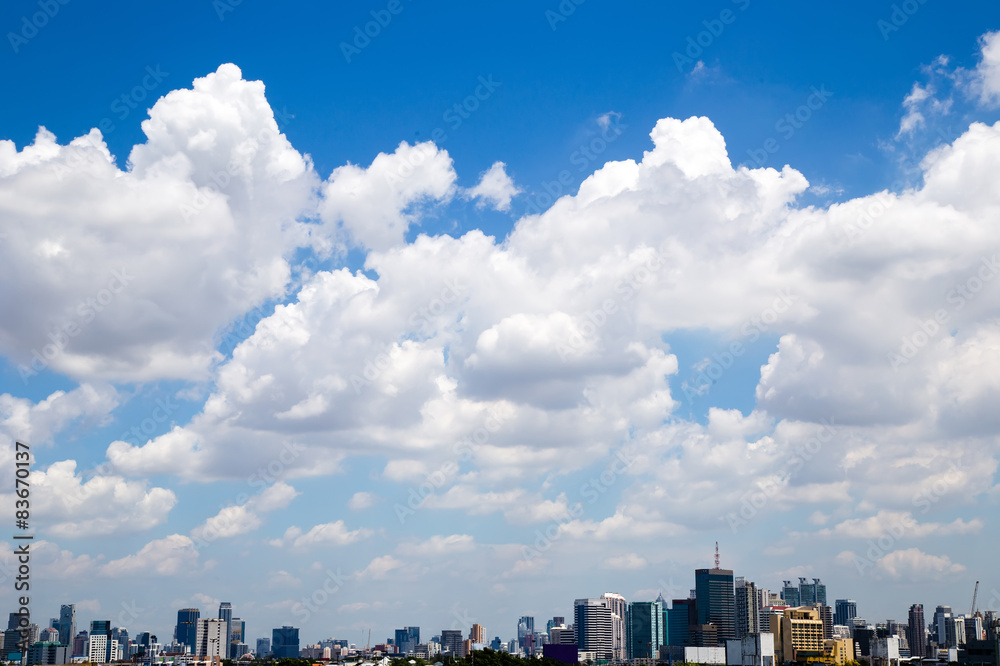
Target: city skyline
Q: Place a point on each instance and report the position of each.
(359, 317)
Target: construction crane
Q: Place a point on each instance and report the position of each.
(975, 593)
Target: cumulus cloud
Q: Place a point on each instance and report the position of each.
(495, 188)
(169, 556)
(335, 533)
(127, 275)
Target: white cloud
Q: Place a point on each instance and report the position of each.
(379, 568)
(363, 500)
(335, 533)
(495, 188)
(988, 69)
(127, 275)
(629, 561)
(169, 556)
(915, 565)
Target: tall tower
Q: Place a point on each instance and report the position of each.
(67, 623)
(619, 610)
(592, 626)
(916, 632)
(747, 608)
(226, 615)
(844, 610)
(715, 601)
(187, 627)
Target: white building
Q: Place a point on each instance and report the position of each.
(886, 651)
(97, 649)
(676, 654)
(755, 649)
(619, 611)
(210, 637)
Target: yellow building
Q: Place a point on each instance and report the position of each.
(838, 650)
(799, 636)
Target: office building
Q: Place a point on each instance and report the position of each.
(451, 640)
(715, 601)
(525, 626)
(263, 647)
(80, 644)
(619, 609)
(844, 610)
(681, 616)
(237, 637)
(644, 631)
(67, 623)
(187, 628)
(592, 627)
(48, 652)
(916, 631)
(811, 593)
(226, 615)
(790, 594)
(755, 649)
(747, 608)
(100, 643)
(800, 635)
(940, 620)
(406, 639)
(476, 634)
(210, 638)
(826, 616)
(285, 642)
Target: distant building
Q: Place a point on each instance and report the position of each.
(942, 614)
(619, 609)
(644, 632)
(715, 601)
(592, 627)
(67, 623)
(80, 644)
(187, 627)
(844, 610)
(406, 639)
(916, 632)
(755, 649)
(101, 648)
(799, 636)
(681, 616)
(210, 638)
(747, 608)
(263, 647)
(285, 642)
(451, 641)
(48, 652)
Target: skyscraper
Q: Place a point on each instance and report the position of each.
(681, 616)
(476, 634)
(747, 608)
(619, 609)
(644, 631)
(237, 637)
(67, 623)
(715, 601)
(187, 627)
(592, 626)
(942, 614)
(916, 632)
(844, 610)
(525, 626)
(226, 615)
(285, 642)
(210, 638)
(407, 639)
(451, 641)
(102, 648)
(263, 647)
(790, 594)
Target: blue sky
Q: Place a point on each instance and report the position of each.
(404, 296)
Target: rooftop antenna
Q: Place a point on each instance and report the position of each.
(716, 554)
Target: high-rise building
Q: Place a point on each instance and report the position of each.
(210, 638)
(790, 594)
(48, 653)
(747, 608)
(800, 635)
(681, 616)
(476, 634)
(263, 647)
(844, 610)
(826, 617)
(645, 634)
(715, 601)
(451, 640)
(974, 629)
(942, 614)
(80, 644)
(285, 642)
(619, 609)
(100, 632)
(525, 626)
(67, 623)
(226, 615)
(187, 627)
(237, 637)
(916, 632)
(592, 626)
